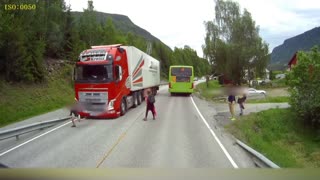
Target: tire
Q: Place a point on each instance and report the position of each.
(123, 107)
(135, 99)
(139, 98)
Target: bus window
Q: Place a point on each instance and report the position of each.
(181, 72)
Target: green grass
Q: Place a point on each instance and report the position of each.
(278, 135)
(210, 92)
(21, 101)
(277, 99)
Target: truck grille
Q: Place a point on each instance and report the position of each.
(93, 97)
(95, 107)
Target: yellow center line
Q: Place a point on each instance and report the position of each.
(117, 142)
(109, 152)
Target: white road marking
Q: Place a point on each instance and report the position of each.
(215, 137)
(33, 139)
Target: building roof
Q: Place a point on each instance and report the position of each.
(293, 59)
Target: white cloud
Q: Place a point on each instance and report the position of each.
(282, 19)
(180, 22)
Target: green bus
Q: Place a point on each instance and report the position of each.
(181, 79)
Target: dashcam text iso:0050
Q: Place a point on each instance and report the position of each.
(12, 7)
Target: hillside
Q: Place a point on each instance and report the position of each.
(282, 54)
(120, 22)
(22, 100)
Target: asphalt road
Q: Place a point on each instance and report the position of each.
(179, 137)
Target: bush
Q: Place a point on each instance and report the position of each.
(304, 87)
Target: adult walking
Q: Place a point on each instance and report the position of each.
(231, 102)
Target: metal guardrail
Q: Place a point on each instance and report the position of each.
(258, 155)
(16, 132)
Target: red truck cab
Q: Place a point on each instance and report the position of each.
(100, 76)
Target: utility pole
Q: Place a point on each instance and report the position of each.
(149, 48)
(90, 5)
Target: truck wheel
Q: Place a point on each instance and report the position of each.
(123, 107)
(139, 98)
(135, 99)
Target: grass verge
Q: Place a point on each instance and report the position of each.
(209, 92)
(276, 99)
(21, 101)
(278, 135)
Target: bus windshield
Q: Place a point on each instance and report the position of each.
(94, 73)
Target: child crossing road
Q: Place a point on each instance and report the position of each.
(150, 100)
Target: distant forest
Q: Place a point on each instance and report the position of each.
(28, 37)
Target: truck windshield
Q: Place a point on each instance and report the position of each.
(94, 73)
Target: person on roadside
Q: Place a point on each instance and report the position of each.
(150, 100)
(74, 112)
(145, 93)
(231, 103)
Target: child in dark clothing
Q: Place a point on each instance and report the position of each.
(150, 100)
(241, 101)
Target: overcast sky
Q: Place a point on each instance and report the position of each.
(180, 22)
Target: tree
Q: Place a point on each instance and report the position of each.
(22, 44)
(111, 35)
(271, 75)
(304, 87)
(16, 59)
(90, 31)
(55, 22)
(72, 44)
(232, 40)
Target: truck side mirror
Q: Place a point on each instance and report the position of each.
(118, 72)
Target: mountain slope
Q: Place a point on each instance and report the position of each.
(120, 22)
(282, 54)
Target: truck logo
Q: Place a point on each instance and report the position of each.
(153, 66)
(137, 73)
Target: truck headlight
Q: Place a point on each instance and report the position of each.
(111, 104)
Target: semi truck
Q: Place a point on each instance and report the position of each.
(110, 79)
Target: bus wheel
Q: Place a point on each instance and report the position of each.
(139, 97)
(123, 107)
